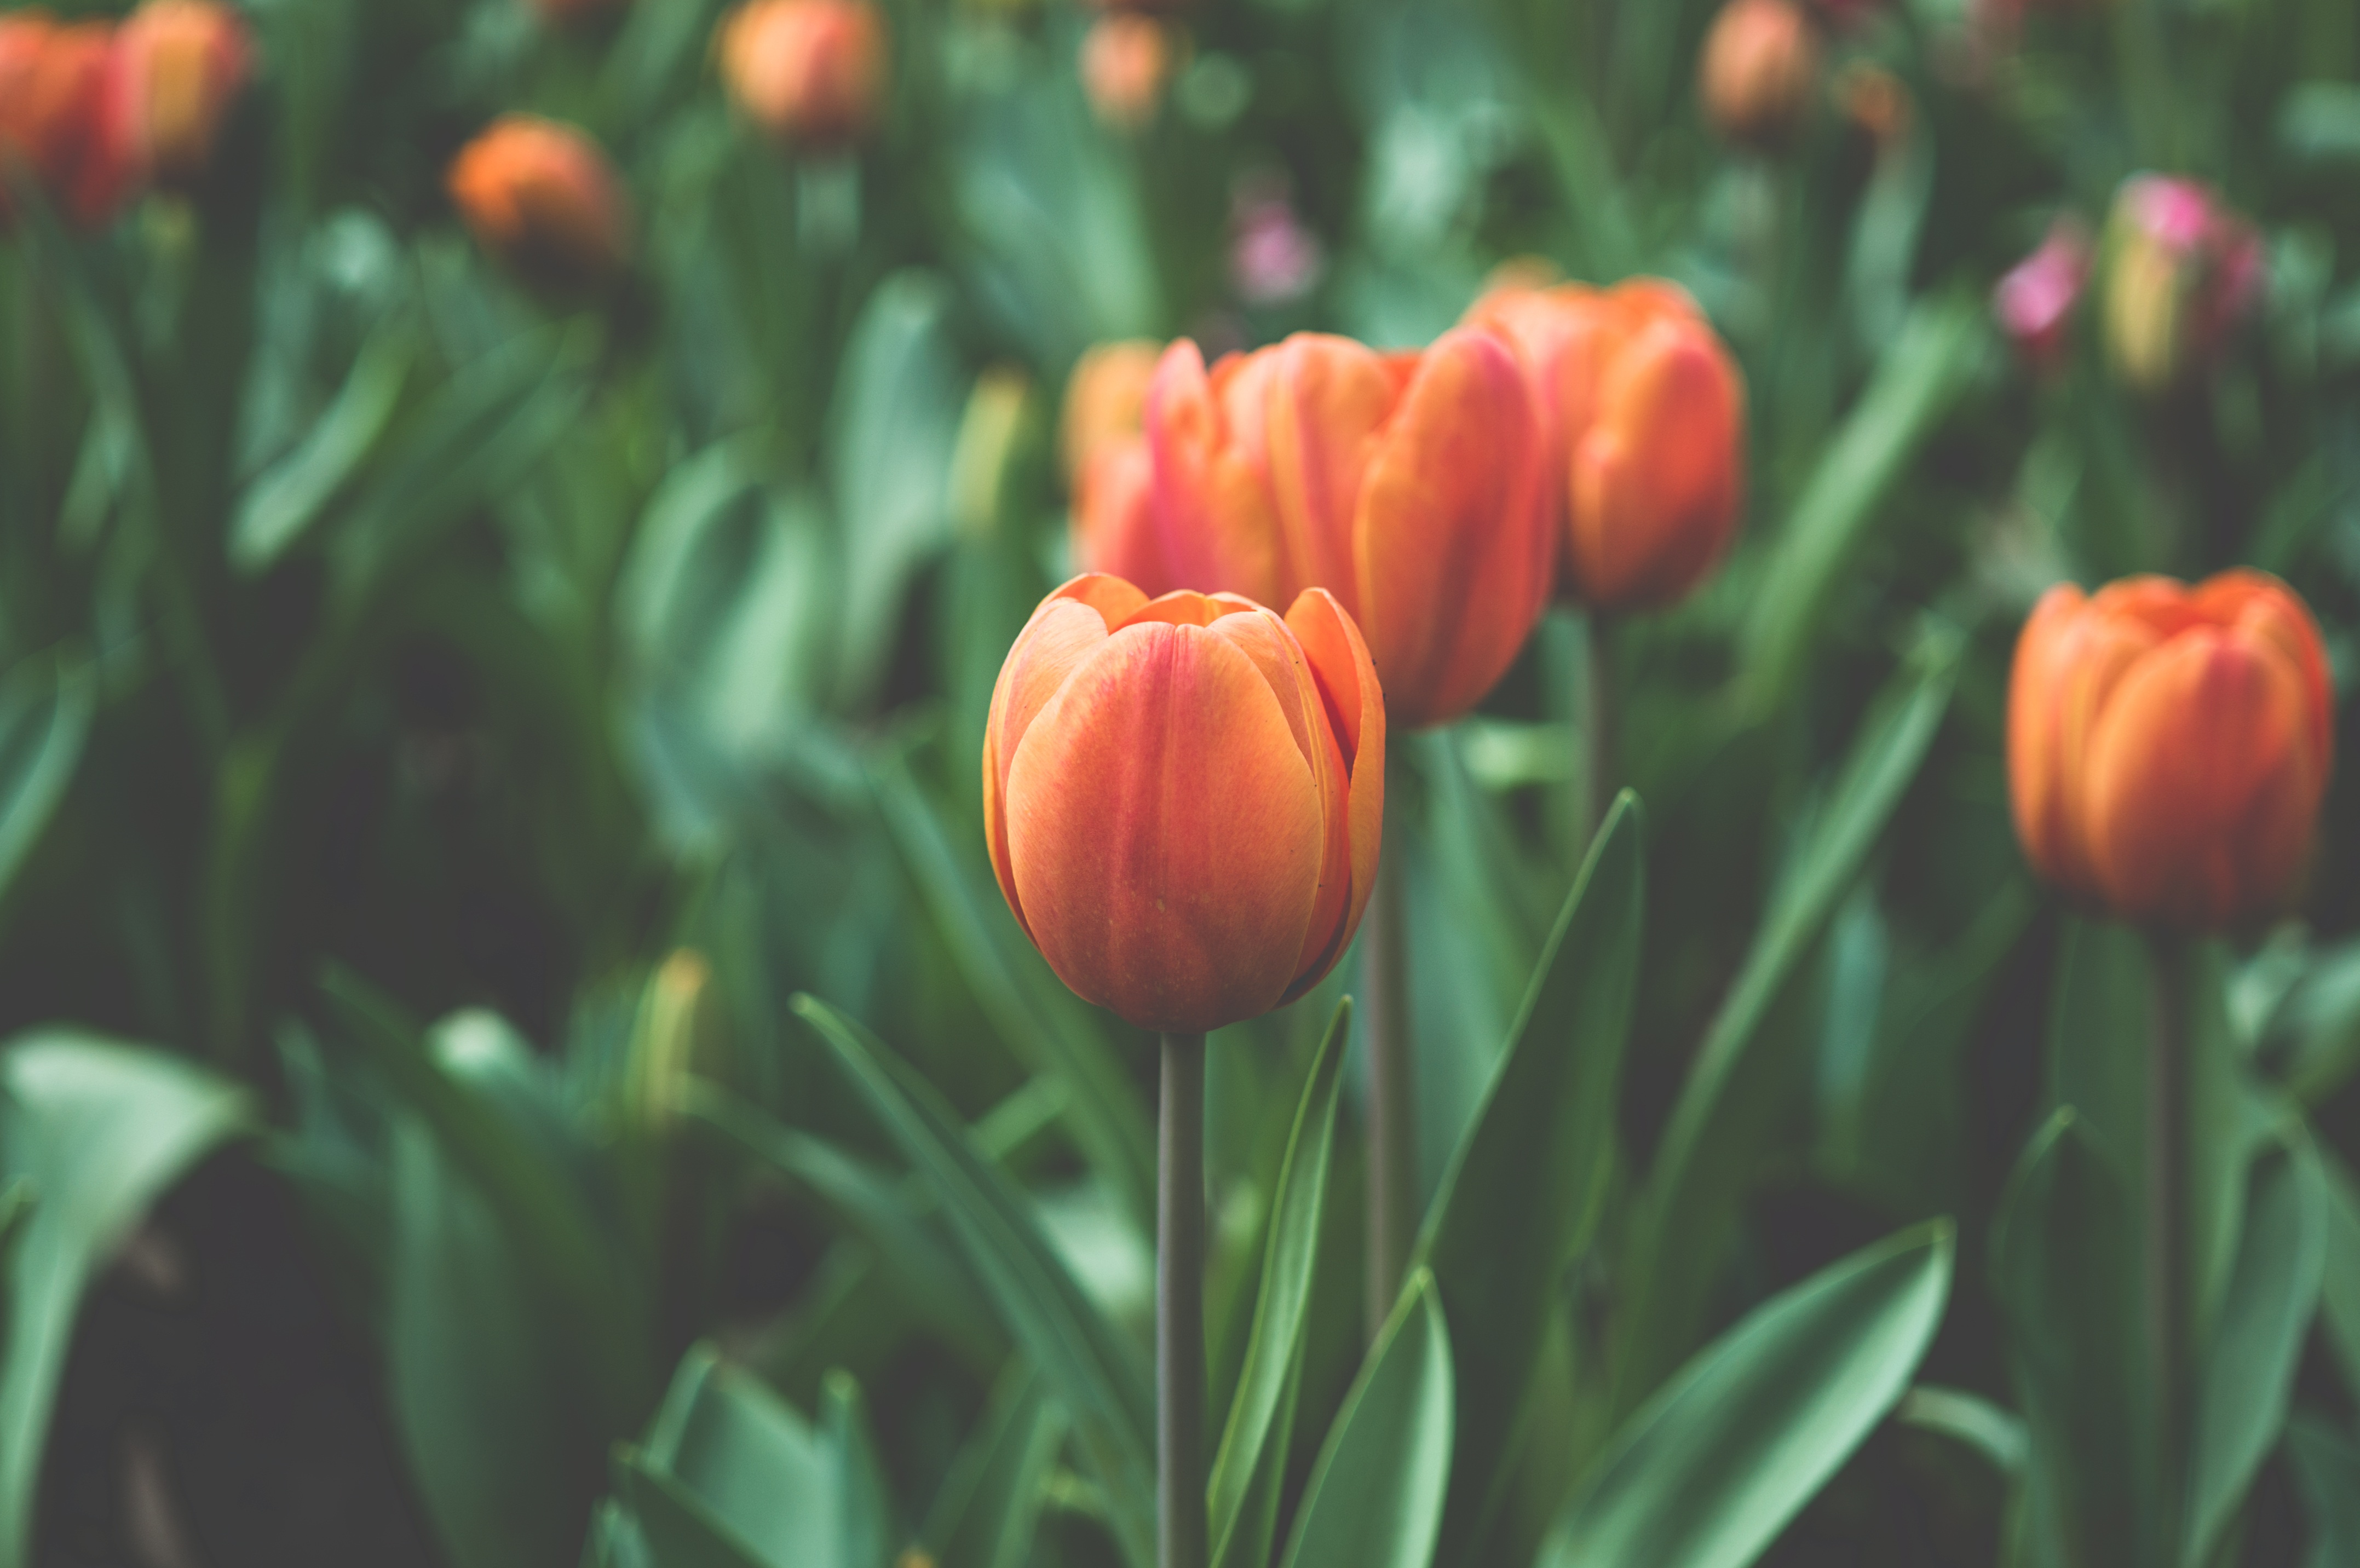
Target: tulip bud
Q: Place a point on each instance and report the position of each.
(2182, 272)
(1643, 415)
(1760, 68)
(1126, 61)
(2169, 747)
(1407, 484)
(542, 198)
(1106, 399)
(1184, 797)
(805, 71)
(178, 67)
(2035, 303)
(53, 116)
(680, 1032)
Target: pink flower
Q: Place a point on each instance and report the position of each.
(1273, 256)
(2035, 303)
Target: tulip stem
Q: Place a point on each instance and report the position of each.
(1393, 1134)
(2167, 1192)
(1181, 1524)
(1600, 762)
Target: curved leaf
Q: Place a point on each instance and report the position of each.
(45, 714)
(1376, 1493)
(1708, 1473)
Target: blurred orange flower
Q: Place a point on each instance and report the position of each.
(805, 71)
(542, 198)
(178, 67)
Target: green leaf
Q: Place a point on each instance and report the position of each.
(615, 1540)
(892, 431)
(287, 497)
(1927, 365)
(100, 1129)
(2248, 1373)
(481, 1407)
(2339, 1295)
(1712, 1469)
(1249, 1467)
(1375, 1497)
(937, 1282)
(1048, 1028)
(2064, 1268)
(545, 1217)
(863, 1511)
(2327, 1466)
(1100, 1375)
(680, 1531)
(1746, 1071)
(1525, 1187)
(45, 705)
(989, 1507)
(1971, 1420)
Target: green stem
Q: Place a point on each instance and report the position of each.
(1180, 1307)
(1393, 1132)
(1601, 761)
(2167, 1200)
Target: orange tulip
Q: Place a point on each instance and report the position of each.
(805, 71)
(1106, 399)
(2169, 747)
(1127, 60)
(1184, 797)
(1760, 68)
(1407, 484)
(541, 197)
(1105, 451)
(178, 65)
(53, 114)
(1642, 415)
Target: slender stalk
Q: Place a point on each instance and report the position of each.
(2167, 1199)
(1180, 1527)
(1392, 1131)
(1602, 760)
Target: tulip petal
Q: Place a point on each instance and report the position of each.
(1452, 547)
(2203, 787)
(1328, 400)
(1355, 711)
(1213, 507)
(1165, 832)
(1114, 516)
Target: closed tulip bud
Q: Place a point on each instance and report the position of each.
(1126, 61)
(54, 92)
(2035, 303)
(1642, 415)
(178, 67)
(2169, 747)
(811, 71)
(2182, 271)
(1759, 72)
(1407, 484)
(1184, 797)
(542, 198)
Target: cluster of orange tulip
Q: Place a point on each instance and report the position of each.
(1561, 438)
(544, 198)
(92, 113)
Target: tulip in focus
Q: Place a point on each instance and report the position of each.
(2182, 272)
(541, 197)
(1184, 797)
(2169, 747)
(1643, 418)
(1126, 63)
(1759, 71)
(1407, 484)
(811, 71)
(2035, 303)
(53, 116)
(178, 67)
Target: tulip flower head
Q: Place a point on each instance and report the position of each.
(2169, 747)
(178, 67)
(2035, 303)
(542, 198)
(807, 72)
(1643, 418)
(1407, 484)
(2183, 271)
(1759, 72)
(1184, 797)
(54, 121)
(1103, 442)
(1126, 61)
